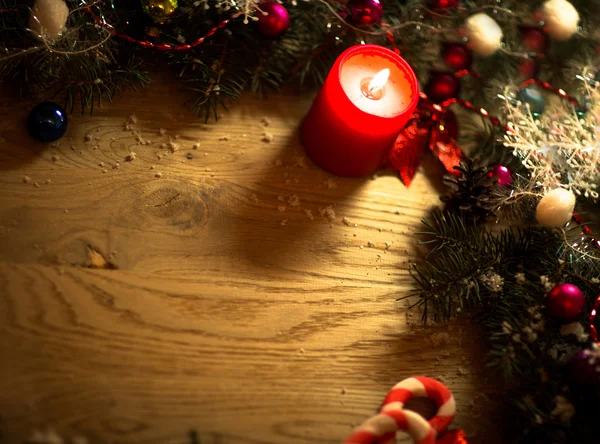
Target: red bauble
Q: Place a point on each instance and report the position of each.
(273, 19)
(456, 56)
(442, 86)
(566, 302)
(503, 174)
(365, 12)
(529, 68)
(534, 39)
(443, 4)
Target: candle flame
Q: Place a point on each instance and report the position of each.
(378, 81)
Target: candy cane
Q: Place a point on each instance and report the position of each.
(388, 423)
(421, 386)
(392, 418)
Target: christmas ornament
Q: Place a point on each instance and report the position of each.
(532, 96)
(503, 174)
(48, 18)
(442, 86)
(47, 122)
(379, 428)
(443, 4)
(365, 12)
(566, 302)
(534, 39)
(585, 367)
(528, 68)
(561, 18)
(583, 105)
(594, 327)
(456, 56)
(159, 10)
(485, 35)
(273, 19)
(555, 209)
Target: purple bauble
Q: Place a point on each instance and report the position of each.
(273, 19)
(585, 367)
(503, 174)
(566, 302)
(365, 12)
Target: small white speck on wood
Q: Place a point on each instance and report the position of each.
(223, 138)
(328, 213)
(158, 175)
(348, 223)
(26, 179)
(162, 131)
(265, 121)
(196, 146)
(267, 137)
(173, 146)
(309, 214)
(281, 208)
(294, 201)
(131, 157)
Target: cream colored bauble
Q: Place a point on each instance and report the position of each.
(48, 18)
(485, 35)
(556, 208)
(562, 19)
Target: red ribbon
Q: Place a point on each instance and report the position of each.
(432, 126)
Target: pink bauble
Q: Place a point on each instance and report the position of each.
(503, 174)
(365, 12)
(566, 302)
(273, 19)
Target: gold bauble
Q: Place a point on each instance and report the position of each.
(159, 10)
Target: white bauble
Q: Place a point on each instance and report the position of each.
(562, 19)
(48, 18)
(556, 208)
(485, 35)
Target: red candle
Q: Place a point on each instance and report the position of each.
(369, 95)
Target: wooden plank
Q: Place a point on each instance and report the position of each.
(132, 357)
(218, 309)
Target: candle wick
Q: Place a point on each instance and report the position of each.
(374, 89)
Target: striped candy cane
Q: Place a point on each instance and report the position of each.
(392, 418)
(386, 424)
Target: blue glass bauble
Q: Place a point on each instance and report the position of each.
(583, 105)
(534, 98)
(47, 122)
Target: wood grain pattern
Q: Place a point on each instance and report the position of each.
(134, 309)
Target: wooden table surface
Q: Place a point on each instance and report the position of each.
(228, 297)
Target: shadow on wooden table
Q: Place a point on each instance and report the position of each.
(13, 133)
(295, 197)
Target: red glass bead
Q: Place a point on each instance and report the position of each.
(456, 56)
(442, 86)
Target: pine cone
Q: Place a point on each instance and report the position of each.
(471, 191)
